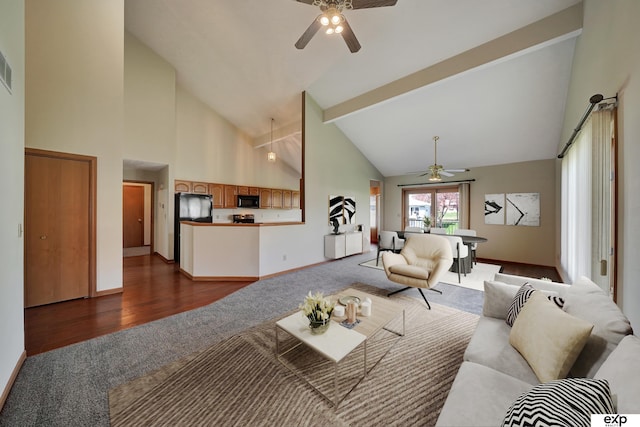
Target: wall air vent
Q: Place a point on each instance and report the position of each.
(5, 72)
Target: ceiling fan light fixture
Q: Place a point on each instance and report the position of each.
(330, 30)
(324, 20)
(339, 29)
(435, 177)
(336, 19)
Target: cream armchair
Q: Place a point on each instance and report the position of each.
(420, 264)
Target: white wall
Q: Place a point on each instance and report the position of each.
(12, 190)
(607, 61)
(74, 103)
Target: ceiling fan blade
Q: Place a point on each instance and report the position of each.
(308, 34)
(365, 4)
(309, 2)
(457, 170)
(350, 38)
(445, 173)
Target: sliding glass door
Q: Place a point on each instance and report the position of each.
(441, 205)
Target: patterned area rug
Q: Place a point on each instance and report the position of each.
(240, 382)
(474, 280)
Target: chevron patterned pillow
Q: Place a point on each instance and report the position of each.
(518, 302)
(521, 298)
(567, 402)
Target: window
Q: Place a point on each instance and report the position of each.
(442, 205)
(588, 240)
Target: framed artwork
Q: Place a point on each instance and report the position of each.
(523, 209)
(335, 210)
(494, 209)
(349, 209)
(342, 210)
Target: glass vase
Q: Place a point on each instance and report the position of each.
(319, 327)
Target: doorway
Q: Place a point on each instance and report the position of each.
(137, 218)
(60, 227)
(374, 211)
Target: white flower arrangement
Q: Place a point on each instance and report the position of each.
(317, 308)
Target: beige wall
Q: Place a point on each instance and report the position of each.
(531, 245)
(12, 190)
(607, 61)
(149, 104)
(74, 103)
(209, 148)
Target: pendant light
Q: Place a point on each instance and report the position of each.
(271, 155)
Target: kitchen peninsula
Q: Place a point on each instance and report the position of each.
(228, 251)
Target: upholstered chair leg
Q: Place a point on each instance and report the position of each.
(378, 256)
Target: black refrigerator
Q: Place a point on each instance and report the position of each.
(190, 207)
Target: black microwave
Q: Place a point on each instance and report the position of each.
(246, 201)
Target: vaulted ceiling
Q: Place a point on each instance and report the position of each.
(489, 77)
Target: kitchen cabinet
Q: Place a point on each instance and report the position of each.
(341, 245)
(200, 187)
(286, 199)
(225, 196)
(182, 186)
(230, 196)
(265, 198)
(295, 200)
(276, 199)
(217, 191)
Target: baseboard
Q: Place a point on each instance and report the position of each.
(12, 379)
(108, 292)
(166, 261)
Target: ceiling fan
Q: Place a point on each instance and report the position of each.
(334, 21)
(436, 171)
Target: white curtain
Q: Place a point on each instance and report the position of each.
(587, 201)
(602, 201)
(576, 207)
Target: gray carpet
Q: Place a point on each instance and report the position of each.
(406, 387)
(69, 386)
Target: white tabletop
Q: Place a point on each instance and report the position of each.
(334, 344)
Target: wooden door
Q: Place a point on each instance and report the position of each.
(59, 227)
(132, 216)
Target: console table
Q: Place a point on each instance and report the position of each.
(342, 245)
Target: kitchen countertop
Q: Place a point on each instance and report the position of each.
(231, 224)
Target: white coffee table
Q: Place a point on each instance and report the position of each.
(338, 341)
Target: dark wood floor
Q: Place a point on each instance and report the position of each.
(152, 290)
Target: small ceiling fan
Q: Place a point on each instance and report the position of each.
(334, 21)
(436, 171)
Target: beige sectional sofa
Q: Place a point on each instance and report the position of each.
(494, 374)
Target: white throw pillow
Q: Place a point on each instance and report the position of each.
(548, 338)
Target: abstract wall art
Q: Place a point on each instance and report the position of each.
(342, 210)
(523, 209)
(494, 209)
